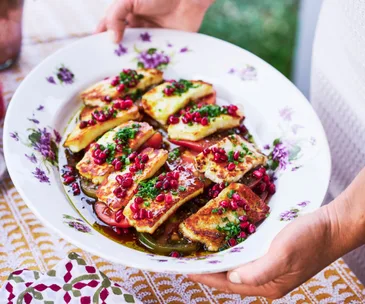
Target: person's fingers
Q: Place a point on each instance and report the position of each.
(116, 17)
(101, 27)
(260, 271)
(215, 280)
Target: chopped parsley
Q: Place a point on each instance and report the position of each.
(180, 87)
(146, 204)
(182, 188)
(230, 193)
(147, 189)
(246, 150)
(230, 229)
(210, 111)
(111, 153)
(174, 154)
(125, 134)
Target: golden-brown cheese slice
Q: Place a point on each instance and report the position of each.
(196, 131)
(79, 139)
(160, 107)
(189, 187)
(157, 158)
(94, 96)
(202, 226)
(250, 157)
(96, 173)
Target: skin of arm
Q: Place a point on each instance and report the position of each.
(186, 15)
(302, 249)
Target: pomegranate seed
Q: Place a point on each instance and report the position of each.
(114, 161)
(121, 88)
(126, 104)
(231, 167)
(220, 211)
(119, 148)
(132, 83)
(134, 207)
(166, 185)
(174, 184)
(206, 151)
(75, 189)
(217, 157)
(144, 158)
(161, 177)
(175, 254)
(118, 165)
(119, 216)
(242, 235)
(257, 174)
(99, 161)
(91, 122)
(266, 178)
(234, 205)
(116, 105)
(160, 197)
(188, 115)
(118, 192)
(223, 157)
(243, 218)
(115, 82)
(246, 207)
(136, 216)
(215, 187)
(251, 229)
(197, 119)
(139, 166)
(142, 214)
(232, 242)
(168, 199)
(133, 156)
(204, 121)
(149, 214)
(176, 175)
(173, 120)
(83, 124)
(215, 194)
(215, 150)
(138, 200)
(261, 187)
(102, 155)
(107, 98)
(224, 204)
(236, 196)
(132, 168)
(221, 186)
(262, 170)
(170, 174)
(169, 91)
(158, 185)
(119, 179)
(68, 180)
(184, 120)
(127, 183)
(240, 203)
(130, 175)
(244, 225)
(272, 188)
(236, 155)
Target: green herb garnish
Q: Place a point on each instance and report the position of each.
(174, 154)
(147, 189)
(125, 134)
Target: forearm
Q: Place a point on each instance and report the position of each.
(346, 217)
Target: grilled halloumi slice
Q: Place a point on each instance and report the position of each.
(189, 186)
(249, 157)
(160, 106)
(80, 138)
(195, 131)
(141, 132)
(105, 193)
(203, 226)
(94, 96)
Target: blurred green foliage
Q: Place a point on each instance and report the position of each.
(266, 28)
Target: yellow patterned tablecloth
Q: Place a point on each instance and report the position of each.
(26, 243)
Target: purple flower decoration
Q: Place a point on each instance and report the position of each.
(214, 262)
(237, 249)
(36, 121)
(267, 147)
(281, 155)
(296, 168)
(121, 50)
(64, 75)
(169, 45)
(295, 128)
(304, 204)
(248, 73)
(286, 113)
(313, 141)
(231, 71)
(153, 59)
(51, 80)
(41, 175)
(184, 50)
(58, 136)
(14, 135)
(32, 158)
(146, 37)
(289, 215)
(40, 108)
(42, 142)
(79, 226)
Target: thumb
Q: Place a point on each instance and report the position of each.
(116, 16)
(258, 272)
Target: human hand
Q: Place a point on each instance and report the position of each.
(186, 15)
(301, 250)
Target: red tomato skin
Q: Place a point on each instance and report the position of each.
(100, 207)
(155, 141)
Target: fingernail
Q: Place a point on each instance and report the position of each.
(234, 277)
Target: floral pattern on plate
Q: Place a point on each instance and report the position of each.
(152, 58)
(63, 75)
(294, 212)
(247, 73)
(76, 223)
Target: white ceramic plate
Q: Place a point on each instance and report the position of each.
(47, 99)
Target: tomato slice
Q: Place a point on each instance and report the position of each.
(207, 100)
(155, 141)
(107, 215)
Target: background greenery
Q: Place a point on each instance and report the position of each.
(267, 28)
